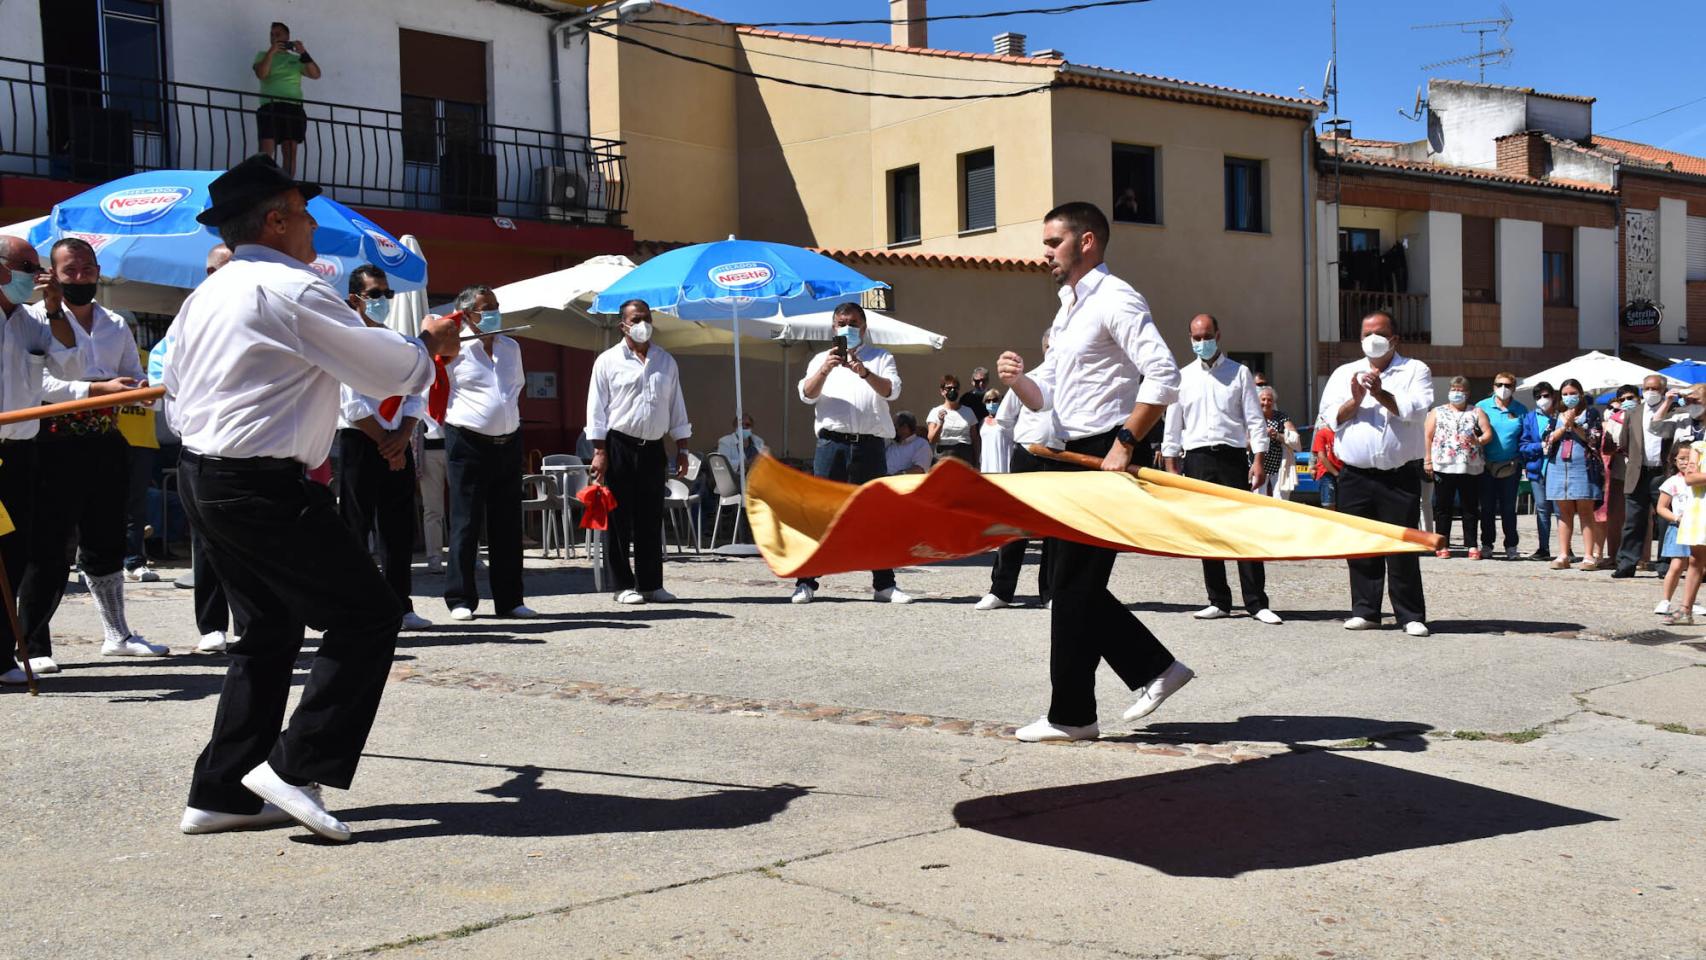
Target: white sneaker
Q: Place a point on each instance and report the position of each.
(1269, 617)
(132, 646)
(630, 597)
(1210, 612)
(991, 602)
(1360, 623)
(141, 575)
(892, 595)
(214, 642)
(43, 666)
(303, 804)
(1042, 731)
(185, 582)
(414, 621)
(522, 612)
(1159, 689)
(660, 595)
(1417, 628)
(199, 821)
(802, 594)
(1699, 611)
(1662, 608)
(461, 613)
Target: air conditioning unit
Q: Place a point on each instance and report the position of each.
(561, 194)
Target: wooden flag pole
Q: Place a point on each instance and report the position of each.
(120, 399)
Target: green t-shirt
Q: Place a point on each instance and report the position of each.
(284, 80)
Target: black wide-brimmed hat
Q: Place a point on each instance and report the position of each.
(240, 188)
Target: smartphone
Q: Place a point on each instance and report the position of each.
(841, 347)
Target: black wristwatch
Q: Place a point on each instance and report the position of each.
(1127, 438)
(57, 314)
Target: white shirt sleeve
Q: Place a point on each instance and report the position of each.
(1334, 396)
(598, 400)
(353, 405)
(373, 360)
(414, 405)
(679, 426)
(886, 368)
(1173, 431)
(1043, 377)
(1418, 398)
(1254, 423)
(811, 371)
(1131, 326)
(1007, 414)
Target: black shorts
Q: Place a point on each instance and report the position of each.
(281, 121)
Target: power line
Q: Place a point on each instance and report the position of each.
(1034, 11)
(635, 41)
(1652, 115)
(829, 63)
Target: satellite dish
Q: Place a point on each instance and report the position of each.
(1416, 110)
(1328, 82)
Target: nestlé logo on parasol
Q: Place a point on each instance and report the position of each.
(139, 205)
(390, 252)
(740, 276)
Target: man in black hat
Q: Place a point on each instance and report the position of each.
(261, 347)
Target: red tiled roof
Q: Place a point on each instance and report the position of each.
(924, 258)
(896, 48)
(1670, 159)
(1084, 70)
(1471, 173)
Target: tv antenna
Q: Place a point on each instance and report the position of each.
(1482, 57)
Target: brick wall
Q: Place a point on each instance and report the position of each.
(1480, 358)
(1398, 192)
(1523, 154)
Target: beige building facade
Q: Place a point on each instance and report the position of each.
(1210, 188)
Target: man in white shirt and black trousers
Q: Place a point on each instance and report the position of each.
(850, 395)
(261, 348)
(1377, 408)
(1108, 377)
(632, 402)
(1213, 429)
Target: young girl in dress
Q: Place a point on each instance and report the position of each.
(1691, 532)
(1674, 497)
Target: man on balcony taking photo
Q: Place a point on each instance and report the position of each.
(280, 120)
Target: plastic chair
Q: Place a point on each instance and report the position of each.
(539, 495)
(573, 479)
(678, 501)
(693, 465)
(727, 487)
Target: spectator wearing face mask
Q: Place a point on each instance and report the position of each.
(1536, 424)
(1575, 474)
(1625, 407)
(741, 443)
(1680, 418)
(1456, 437)
(1643, 450)
(952, 428)
(1504, 465)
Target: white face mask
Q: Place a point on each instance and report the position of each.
(1503, 393)
(1653, 398)
(1544, 403)
(640, 332)
(1694, 410)
(1375, 346)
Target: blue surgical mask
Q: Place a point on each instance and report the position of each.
(1571, 399)
(377, 309)
(1629, 406)
(1457, 396)
(1205, 349)
(490, 321)
(20, 287)
(854, 340)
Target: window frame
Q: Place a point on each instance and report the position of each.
(1558, 244)
(1259, 206)
(1154, 155)
(964, 167)
(1490, 292)
(894, 176)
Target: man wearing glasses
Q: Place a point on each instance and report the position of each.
(26, 345)
(1504, 465)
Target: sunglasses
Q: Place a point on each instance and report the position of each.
(1498, 385)
(379, 295)
(30, 266)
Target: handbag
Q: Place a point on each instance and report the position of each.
(1502, 470)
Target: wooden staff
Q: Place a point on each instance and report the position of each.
(1432, 541)
(120, 399)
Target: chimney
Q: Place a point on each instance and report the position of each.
(1050, 54)
(907, 27)
(1010, 44)
(1524, 154)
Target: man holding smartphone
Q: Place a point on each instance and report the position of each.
(850, 387)
(280, 120)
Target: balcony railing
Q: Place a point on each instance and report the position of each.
(1409, 313)
(92, 126)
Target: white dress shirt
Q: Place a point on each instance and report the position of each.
(261, 347)
(847, 404)
(108, 349)
(1374, 438)
(354, 406)
(1028, 426)
(914, 451)
(1217, 407)
(1105, 356)
(28, 354)
(485, 387)
(637, 396)
(1652, 438)
(733, 448)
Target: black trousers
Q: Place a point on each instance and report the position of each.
(1456, 495)
(1637, 509)
(287, 560)
(1229, 467)
(636, 477)
(484, 477)
(1088, 623)
(1391, 496)
(852, 463)
(17, 492)
(81, 483)
(372, 494)
(1004, 580)
(212, 610)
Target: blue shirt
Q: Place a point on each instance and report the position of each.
(1507, 429)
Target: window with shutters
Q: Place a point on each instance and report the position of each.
(443, 81)
(977, 190)
(904, 223)
(1557, 263)
(1696, 249)
(1478, 284)
(1136, 194)
(1244, 211)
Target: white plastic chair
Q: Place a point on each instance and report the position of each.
(728, 495)
(539, 494)
(573, 479)
(678, 502)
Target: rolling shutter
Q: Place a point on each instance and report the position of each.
(979, 190)
(1696, 249)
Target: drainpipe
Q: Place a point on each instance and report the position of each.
(1309, 322)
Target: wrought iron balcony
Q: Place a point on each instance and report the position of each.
(91, 126)
(1409, 313)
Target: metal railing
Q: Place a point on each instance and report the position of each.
(1409, 313)
(90, 126)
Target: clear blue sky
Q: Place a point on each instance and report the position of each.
(1638, 56)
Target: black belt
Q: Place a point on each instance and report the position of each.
(1219, 448)
(494, 440)
(433, 443)
(839, 437)
(12, 442)
(631, 439)
(244, 464)
(1377, 471)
